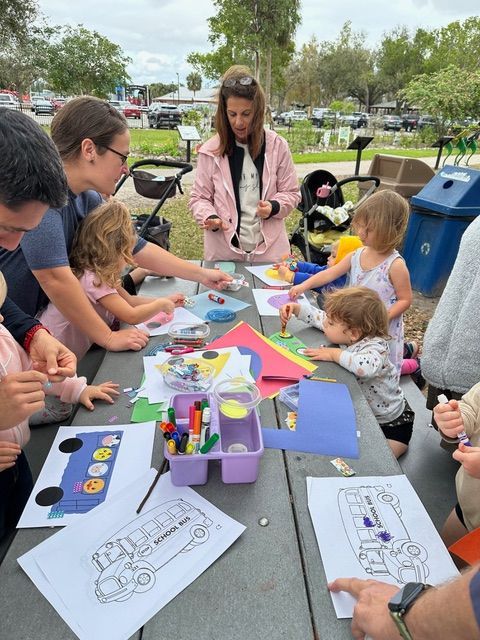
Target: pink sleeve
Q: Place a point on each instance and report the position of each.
(202, 195)
(93, 292)
(69, 390)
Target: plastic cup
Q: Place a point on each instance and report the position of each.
(236, 397)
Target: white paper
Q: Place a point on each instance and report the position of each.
(180, 315)
(156, 390)
(375, 528)
(261, 272)
(269, 301)
(176, 537)
(71, 483)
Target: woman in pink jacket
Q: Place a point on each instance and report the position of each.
(246, 183)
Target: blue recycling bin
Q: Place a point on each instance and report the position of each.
(441, 212)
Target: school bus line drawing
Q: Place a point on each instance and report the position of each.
(372, 519)
(128, 560)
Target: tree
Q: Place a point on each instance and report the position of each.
(85, 62)
(194, 82)
(449, 94)
(157, 89)
(17, 16)
(251, 32)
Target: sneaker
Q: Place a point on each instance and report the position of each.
(410, 350)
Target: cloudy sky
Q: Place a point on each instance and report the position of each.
(159, 34)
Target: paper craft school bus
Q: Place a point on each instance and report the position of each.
(127, 562)
(372, 521)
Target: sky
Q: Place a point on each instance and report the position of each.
(159, 34)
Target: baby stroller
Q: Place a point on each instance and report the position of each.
(153, 227)
(325, 216)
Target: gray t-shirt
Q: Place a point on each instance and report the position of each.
(46, 247)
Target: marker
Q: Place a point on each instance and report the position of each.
(171, 416)
(206, 416)
(189, 449)
(167, 436)
(214, 298)
(210, 443)
(183, 444)
(197, 427)
(172, 447)
(462, 436)
(191, 421)
(176, 438)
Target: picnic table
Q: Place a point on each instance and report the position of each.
(270, 582)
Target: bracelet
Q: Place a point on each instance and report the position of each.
(27, 341)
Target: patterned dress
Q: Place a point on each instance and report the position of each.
(378, 280)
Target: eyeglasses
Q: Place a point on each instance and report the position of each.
(120, 155)
(245, 81)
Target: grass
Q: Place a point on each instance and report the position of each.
(346, 155)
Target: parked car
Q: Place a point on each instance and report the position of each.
(392, 123)
(43, 107)
(8, 101)
(283, 118)
(426, 121)
(355, 120)
(409, 121)
(131, 110)
(58, 103)
(321, 117)
(116, 104)
(298, 115)
(164, 116)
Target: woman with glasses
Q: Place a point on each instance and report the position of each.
(93, 140)
(246, 184)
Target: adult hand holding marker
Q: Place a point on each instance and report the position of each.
(449, 419)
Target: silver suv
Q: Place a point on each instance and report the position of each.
(165, 116)
(9, 101)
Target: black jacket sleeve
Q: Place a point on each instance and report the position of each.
(16, 321)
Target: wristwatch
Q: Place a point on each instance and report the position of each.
(401, 602)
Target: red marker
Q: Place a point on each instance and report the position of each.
(215, 298)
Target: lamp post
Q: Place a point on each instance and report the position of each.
(178, 88)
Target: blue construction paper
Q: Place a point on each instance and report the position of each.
(203, 305)
(325, 422)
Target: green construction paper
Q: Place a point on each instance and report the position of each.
(292, 344)
(143, 412)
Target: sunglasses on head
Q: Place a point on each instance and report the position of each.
(245, 81)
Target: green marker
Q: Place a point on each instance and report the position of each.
(171, 416)
(210, 443)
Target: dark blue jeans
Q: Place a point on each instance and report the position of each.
(16, 485)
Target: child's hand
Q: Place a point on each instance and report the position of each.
(167, 305)
(285, 273)
(326, 354)
(178, 299)
(448, 418)
(469, 458)
(9, 451)
(103, 391)
(295, 291)
(288, 310)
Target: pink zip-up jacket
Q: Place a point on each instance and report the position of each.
(213, 194)
(14, 359)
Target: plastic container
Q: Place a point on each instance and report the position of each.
(236, 283)
(186, 374)
(239, 448)
(236, 397)
(183, 331)
(289, 396)
(440, 214)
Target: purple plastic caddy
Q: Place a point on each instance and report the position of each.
(236, 467)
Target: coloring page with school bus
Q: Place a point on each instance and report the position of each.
(124, 567)
(84, 466)
(375, 528)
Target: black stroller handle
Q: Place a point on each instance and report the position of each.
(184, 166)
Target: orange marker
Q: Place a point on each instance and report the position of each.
(197, 428)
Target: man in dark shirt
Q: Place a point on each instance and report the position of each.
(31, 181)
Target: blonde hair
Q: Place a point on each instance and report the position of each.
(360, 309)
(386, 213)
(252, 92)
(3, 289)
(105, 236)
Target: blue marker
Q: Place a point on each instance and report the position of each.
(462, 436)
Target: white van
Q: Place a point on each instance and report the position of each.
(9, 101)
